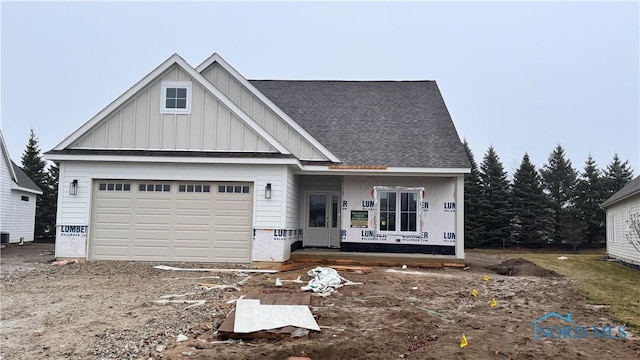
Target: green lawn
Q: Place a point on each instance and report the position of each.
(604, 282)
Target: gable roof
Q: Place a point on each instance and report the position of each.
(632, 188)
(196, 76)
(20, 179)
(215, 58)
(24, 181)
(390, 123)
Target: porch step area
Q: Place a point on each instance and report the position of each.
(337, 257)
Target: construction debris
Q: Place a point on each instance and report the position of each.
(353, 269)
(251, 316)
(192, 302)
(226, 330)
(171, 268)
(64, 262)
(325, 281)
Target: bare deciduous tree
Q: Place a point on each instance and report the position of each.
(633, 235)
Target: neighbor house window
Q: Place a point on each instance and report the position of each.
(398, 211)
(176, 97)
(24, 198)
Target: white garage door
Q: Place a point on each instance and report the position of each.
(171, 221)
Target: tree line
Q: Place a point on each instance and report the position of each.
(552, 205)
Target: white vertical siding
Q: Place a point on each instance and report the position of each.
(618, 245)
(139, 125)
(293, 201)
(261, 113)
(75, 209)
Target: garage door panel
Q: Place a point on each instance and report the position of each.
(193, 219)
(232, 204)
(175, 225)
(113, 251)
(193, 237)
(113, 233)
(152, 219)
(192, 204)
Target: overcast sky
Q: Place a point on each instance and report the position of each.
(520, 76)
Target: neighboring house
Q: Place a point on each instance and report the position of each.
(620, 206)
(17, 199)
(201, 164)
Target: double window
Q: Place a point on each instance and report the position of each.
(176, 97)
(398, 211)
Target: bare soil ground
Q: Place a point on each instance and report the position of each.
(106, 310)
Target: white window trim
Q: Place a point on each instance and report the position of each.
(418, 190)
(163, 96)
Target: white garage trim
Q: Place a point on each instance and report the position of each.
(194, 221)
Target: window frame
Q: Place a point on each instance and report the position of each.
(398, 210)
(175, 85)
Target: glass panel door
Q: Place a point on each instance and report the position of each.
(317, 211)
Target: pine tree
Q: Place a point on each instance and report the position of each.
(529, 206)
(494, 215)
(559, 180)
(34, 166)
(617, 175)
(591, 192)
(471, 200)
(51, 200)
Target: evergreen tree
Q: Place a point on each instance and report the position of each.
(471, 200)
(559, 180)
(494, 215)
(591, 192)
(529, 206)
(51, 199)
(617, 175)
(34, 166)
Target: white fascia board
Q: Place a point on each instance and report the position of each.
(24, 189)
(169, 159)
(118, 102)
(233, 107)
(217, 58)
(390, 171)
(7, 158)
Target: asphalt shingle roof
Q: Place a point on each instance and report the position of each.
(392, 123)
(23, 179)
(633, 187)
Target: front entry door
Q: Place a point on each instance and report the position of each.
(322, 219)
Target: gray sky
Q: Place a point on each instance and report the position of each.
(521, 76)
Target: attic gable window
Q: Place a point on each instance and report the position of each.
(176, 97)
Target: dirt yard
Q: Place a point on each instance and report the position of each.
(106, 310)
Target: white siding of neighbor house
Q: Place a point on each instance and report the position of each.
(17, 217)
(75, 209)
(138, 124)
(261, 113)
(618, 229)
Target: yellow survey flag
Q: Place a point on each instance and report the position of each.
(486, 277)
(463, 342)
(474, 292)
(494, 302)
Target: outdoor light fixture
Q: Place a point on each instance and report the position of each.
(73, 187)
(267, 191)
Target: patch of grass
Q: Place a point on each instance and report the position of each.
(603, 282)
